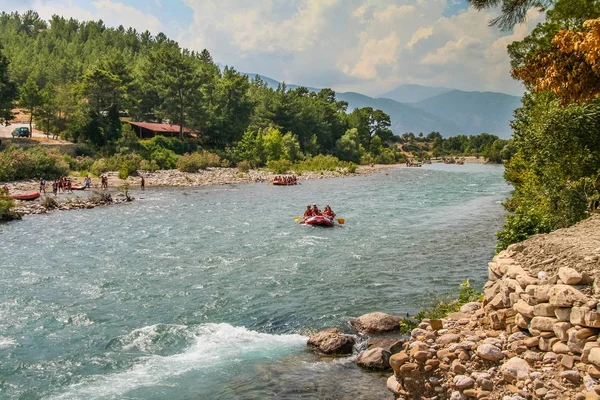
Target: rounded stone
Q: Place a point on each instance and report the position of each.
(489, 352)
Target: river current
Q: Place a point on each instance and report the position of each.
(210, 292)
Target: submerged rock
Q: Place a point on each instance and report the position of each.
(374, 358)
(332, 341)
(391, 344)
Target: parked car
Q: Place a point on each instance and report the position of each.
(21, 132)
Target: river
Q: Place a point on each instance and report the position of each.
(209, 292)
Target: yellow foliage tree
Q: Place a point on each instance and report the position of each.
(571, 69)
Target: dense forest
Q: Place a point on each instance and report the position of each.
(77, 78)
(556, 166)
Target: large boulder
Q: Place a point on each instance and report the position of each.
(565, 296)
(585, 317)
(377, 322)
(374, 358)
(332, 341)
(569, 276)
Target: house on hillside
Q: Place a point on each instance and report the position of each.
(147, 130)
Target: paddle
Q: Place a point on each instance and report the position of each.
(296, 219)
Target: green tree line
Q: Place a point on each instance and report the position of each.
(491, 147)
(76, 79)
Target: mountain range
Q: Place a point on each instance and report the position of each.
(416, 108)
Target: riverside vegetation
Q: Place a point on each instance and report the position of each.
(555, 169)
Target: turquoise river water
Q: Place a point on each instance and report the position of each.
(209, 293)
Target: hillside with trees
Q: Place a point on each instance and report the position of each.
(76, 78)
(79, 80)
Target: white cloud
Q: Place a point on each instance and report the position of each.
(393, 12)
(256, 26)
(420, 34)
(115, 13)
(375, 53)
(112, 13)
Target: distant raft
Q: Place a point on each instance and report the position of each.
(283, 183)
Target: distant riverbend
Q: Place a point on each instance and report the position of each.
(209, 292)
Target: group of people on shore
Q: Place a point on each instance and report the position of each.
(314, 211)
(65, 184)
(62, 184)
(290, 180)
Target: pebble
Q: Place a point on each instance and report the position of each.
(462, 382)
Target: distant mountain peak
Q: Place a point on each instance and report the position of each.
(411, 93)
(416, 108)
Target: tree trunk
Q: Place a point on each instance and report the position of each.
(31, 123)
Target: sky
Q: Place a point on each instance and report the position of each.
(366, 46)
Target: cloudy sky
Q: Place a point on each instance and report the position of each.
(368, 46)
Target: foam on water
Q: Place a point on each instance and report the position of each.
(6, 342)
(215, 346)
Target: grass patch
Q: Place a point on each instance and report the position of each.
(441, 307)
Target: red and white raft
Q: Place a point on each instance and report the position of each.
(319, 220)
(26, 196)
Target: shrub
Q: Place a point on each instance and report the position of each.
(177, 146)
(7, 207)
(243, 166)
(115, 163)
(321, 163)
(99, 166)
(279, 166)
(79, 163)
(164, 158)
(151, 166)
(124, 170)
(197, 161)
(441, 307)
(520, 225)
(36, 162)
(83, 150)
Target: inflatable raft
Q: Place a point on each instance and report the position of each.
(26, 196)
(319, 220)
(282, 183)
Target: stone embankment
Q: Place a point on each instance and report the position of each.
(535, 335)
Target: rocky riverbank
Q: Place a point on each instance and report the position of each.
(164, 178)
(535, 334)
(209, 176)
(47, 204)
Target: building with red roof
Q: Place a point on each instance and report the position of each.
(147, 130)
